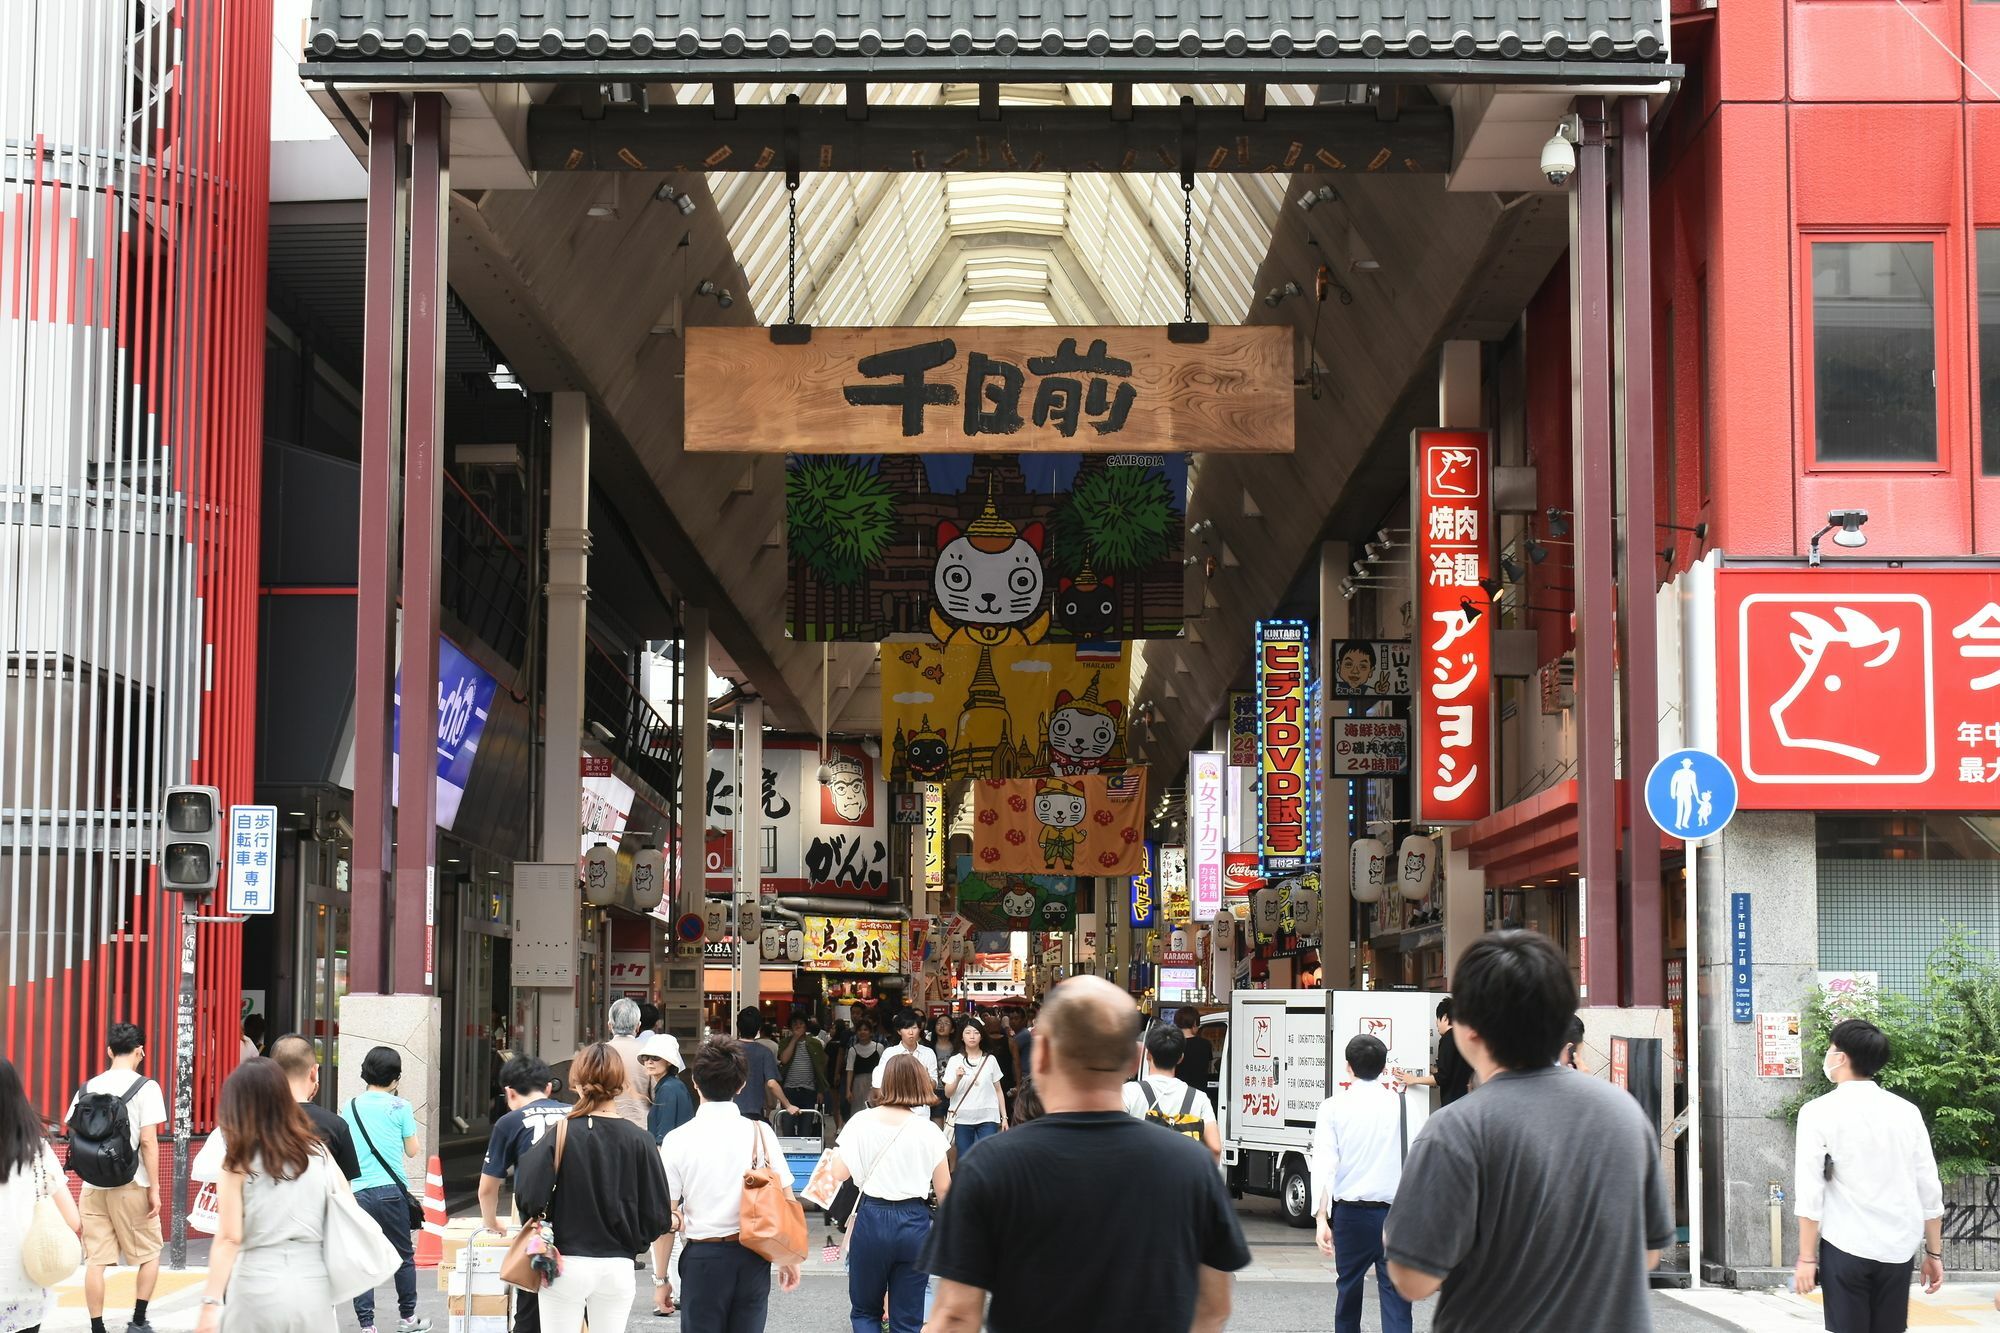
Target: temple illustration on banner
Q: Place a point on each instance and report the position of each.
(1034, 732)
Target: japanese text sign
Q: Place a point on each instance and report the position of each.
(1370, 668)
(253, 859)
(1284, 805)
(1175, 910)
(852, 944)
(1860, 689)
(1242, 729)
(934, 836)
(918, 390)
(1206, 838)
(1739, 957)
(1369, 747)
(1453, 546)
(1145, 896)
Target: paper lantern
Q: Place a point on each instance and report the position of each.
(1416, 867)
(1306, 911)
(1368, 865)
(749, 917)
(600, 875)
(771, 942)
(1264, 912)
(649, 878)
(715, 920)
(1222, 957)
(795, 945)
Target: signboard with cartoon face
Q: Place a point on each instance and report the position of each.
(1371, 668)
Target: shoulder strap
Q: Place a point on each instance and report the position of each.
(861, 1182)
(972, 1073)
(133, 1091)
(1152, 1101)
(362, 1125)
(1187, 1104)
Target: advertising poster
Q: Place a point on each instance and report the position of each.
(1206, 839)
(1284, 805)
(1175, 907)
(1371, 668)
(852, 944)
(1076, 825)
(465, 697)
(1005, 900)
(1242, 728)
(1453, 551)
(933, 836)
(1144, 901)
(974, 710)
(1044, 548)
(1369, 747)
(809, 838)
(1780, 1052)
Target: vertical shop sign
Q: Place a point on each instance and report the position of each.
(1739, 957)
(1454, 635)
(1174, 907)
(1144, 902)
(1206, 837)
(934, 836)
(1242, 729)
(1284, 808)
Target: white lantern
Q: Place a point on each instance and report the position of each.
(795, 945)
(715, 920)
(1222, 957)
(1264, 912)
(1368, 866)
(600, 875)
(1416, 867)
(649, 878)
(749, 917)
(771, 942)
(1306, 910)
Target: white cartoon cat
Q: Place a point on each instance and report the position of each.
(988, 581)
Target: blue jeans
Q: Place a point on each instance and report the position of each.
(385, 1204)
(724, 1288)
(882, 1260)
(1357, 1247)
(964, 1136)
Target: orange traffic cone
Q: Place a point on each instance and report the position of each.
(430, 1241)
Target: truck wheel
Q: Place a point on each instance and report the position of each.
(1295, 1193)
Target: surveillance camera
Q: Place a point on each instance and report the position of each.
(1558, 156)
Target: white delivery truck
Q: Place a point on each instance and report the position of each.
(1283, 1056)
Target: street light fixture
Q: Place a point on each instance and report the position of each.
(1845, 525)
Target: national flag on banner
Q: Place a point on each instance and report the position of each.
(1126, 786)
(1100, 651)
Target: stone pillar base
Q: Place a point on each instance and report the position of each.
(413, 1026)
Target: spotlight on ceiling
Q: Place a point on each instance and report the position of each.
(1845, 525)
(1312, 199)
(1511, 569)
(1558, 521)
(667, 194)
(1472, 609)
(721, 294)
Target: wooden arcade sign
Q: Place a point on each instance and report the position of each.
(979, 390)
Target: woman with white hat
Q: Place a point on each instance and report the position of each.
(672, 1108)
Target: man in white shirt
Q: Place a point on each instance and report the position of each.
(121, 1224)
(1357, 1161)
(1158, 1096)
(1866, 1190)
(909, 1042)
(723, 1285)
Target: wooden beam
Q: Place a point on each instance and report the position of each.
(915, 390)
(958, 138)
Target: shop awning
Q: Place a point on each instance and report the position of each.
(1532, 839)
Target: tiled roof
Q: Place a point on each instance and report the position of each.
(1582, 31)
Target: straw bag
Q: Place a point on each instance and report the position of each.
(50, 1251)
(773, 1224)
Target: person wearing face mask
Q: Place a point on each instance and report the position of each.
(1867, 1190)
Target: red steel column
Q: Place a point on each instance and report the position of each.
(423, 501)
(375, 598)
(1638, 632)
(1596, 593)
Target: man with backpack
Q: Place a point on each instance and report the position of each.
(114, 1146)
(1160, 1098)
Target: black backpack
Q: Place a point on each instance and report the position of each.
(101, 1151)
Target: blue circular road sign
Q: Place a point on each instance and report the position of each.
(690, 928)
(1691, 794)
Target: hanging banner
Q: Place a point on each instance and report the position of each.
(852, 944)
(1143, 902)
(1003, 900)
(977, 711)
(831, 840)
(1242, 729)
(933, 836)
(1085, 825)
(1453, 781)
(996, 548)
(1285, 835)
(930, 390)
(1205, 833)
(1175, 907)
(1371, 669)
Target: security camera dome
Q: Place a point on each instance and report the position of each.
(1558, 158)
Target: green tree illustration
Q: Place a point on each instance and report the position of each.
(1123, 517)
(840, 517)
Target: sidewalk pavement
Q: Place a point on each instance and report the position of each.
(1958, 1305)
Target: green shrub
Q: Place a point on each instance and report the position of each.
(1944, 1050)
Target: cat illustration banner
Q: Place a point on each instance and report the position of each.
(995, 548)
(1061, 825)
(990, 390)
(1009, 900)
(966, 710)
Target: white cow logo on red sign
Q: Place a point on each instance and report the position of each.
(1453, 471)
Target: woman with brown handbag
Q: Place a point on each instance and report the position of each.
(597, 1185)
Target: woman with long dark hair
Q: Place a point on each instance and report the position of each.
(267, 1267)
(29, 1173)
(606, 1199)
(975, 1107)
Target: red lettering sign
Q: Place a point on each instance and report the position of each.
(1452, 779)
(1862, 689)
(1284, 817)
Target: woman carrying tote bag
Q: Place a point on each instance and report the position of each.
(268, 1271)
(896, 1158)
(32, 1191)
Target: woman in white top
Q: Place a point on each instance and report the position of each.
(29, 1172)
(897, 1160)
(972, 1089)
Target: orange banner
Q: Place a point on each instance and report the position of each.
(1085, 825)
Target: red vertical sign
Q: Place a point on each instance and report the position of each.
(1452, 776)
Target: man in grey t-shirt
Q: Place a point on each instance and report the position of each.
(1538, 1202)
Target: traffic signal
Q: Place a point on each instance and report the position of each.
(191, 840)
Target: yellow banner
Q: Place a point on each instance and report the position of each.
(853, 944)
(934, 835)
(969, 710)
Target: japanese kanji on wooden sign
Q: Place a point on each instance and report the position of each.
(975, 390)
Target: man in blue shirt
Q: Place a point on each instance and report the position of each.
(761, 1089)
(529, 1086)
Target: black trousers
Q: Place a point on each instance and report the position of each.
(527, 1311)
(724, 1288)
(1863, 1295)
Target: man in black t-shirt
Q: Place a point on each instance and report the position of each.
(296, 1056)
(532, 1111)
(1451, 1075)
(1098, 1172)
(1197, 1065)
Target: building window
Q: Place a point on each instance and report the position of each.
(1874, 358)
(1989, 352)
(1892, 887)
